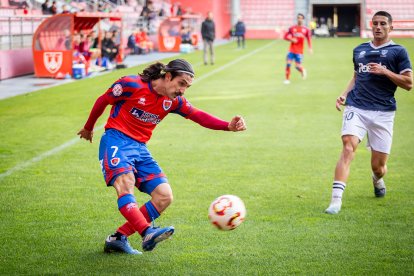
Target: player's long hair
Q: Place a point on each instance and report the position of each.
(176, 67)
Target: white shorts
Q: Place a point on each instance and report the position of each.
(378, 125)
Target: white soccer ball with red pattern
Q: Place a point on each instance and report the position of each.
(227, 212)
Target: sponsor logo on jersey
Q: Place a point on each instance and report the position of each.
(115, 161)
(166, 104)
(141, 101)
(145, 116)
(52, 61)
(364, 68)
(361, 54)
(117, 90)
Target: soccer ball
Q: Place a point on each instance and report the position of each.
(227, 212)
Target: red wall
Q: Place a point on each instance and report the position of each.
(220, 8)
(12, 67)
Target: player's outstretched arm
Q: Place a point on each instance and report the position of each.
(98, 108)
(209, 121)
(237, 124)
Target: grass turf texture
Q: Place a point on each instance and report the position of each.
(56, 213)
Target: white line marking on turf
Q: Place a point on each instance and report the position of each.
(221, 68)
(73, 141)
(42, 156)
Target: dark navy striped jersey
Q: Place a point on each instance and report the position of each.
(376, 92)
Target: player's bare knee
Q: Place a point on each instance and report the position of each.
(124, 184)
(162, 201)
(166, 200)
(379, 170)
(348, 152)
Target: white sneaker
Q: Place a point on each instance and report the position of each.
(334, 208)
(304, 74)
(286, 81)
(379, 187)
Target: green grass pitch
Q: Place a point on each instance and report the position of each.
(56, 210)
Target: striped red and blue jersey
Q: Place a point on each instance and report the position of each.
(300, 33)
(137, 109)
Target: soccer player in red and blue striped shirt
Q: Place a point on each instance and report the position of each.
(139, 103)
(296, 36)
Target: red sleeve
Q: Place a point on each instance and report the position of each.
(288, 35)
(98, 108)
(208, 121)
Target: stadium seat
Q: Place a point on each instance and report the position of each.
(264, 16)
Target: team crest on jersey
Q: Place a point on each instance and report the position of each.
(384, 53)
(117, 90)
(166, 104)
(141, 101)
(361, 54)
(52, 61)
(115, 161)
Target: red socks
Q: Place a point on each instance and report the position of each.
(136, 219)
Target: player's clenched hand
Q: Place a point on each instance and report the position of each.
(340, 101)
(237, 124)
(86, 134)
(376, 68)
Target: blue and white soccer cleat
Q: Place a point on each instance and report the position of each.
(154, 235)
(379, 188)
(379, 192)
(114, 245)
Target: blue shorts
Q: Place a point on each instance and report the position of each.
(296, 57)
(120, 154)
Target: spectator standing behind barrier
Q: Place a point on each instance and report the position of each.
(239, 31)
(53, 8)
(150, 15)
(45, 7)
(208, 33)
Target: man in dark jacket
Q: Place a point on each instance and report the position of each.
(239, 31)
(109, 48)
(208, 33)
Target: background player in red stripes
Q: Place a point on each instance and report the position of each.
(296, 35)
(139, 103)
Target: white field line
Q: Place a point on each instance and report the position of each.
(73, 141)
(42, 156)
(225, 66)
